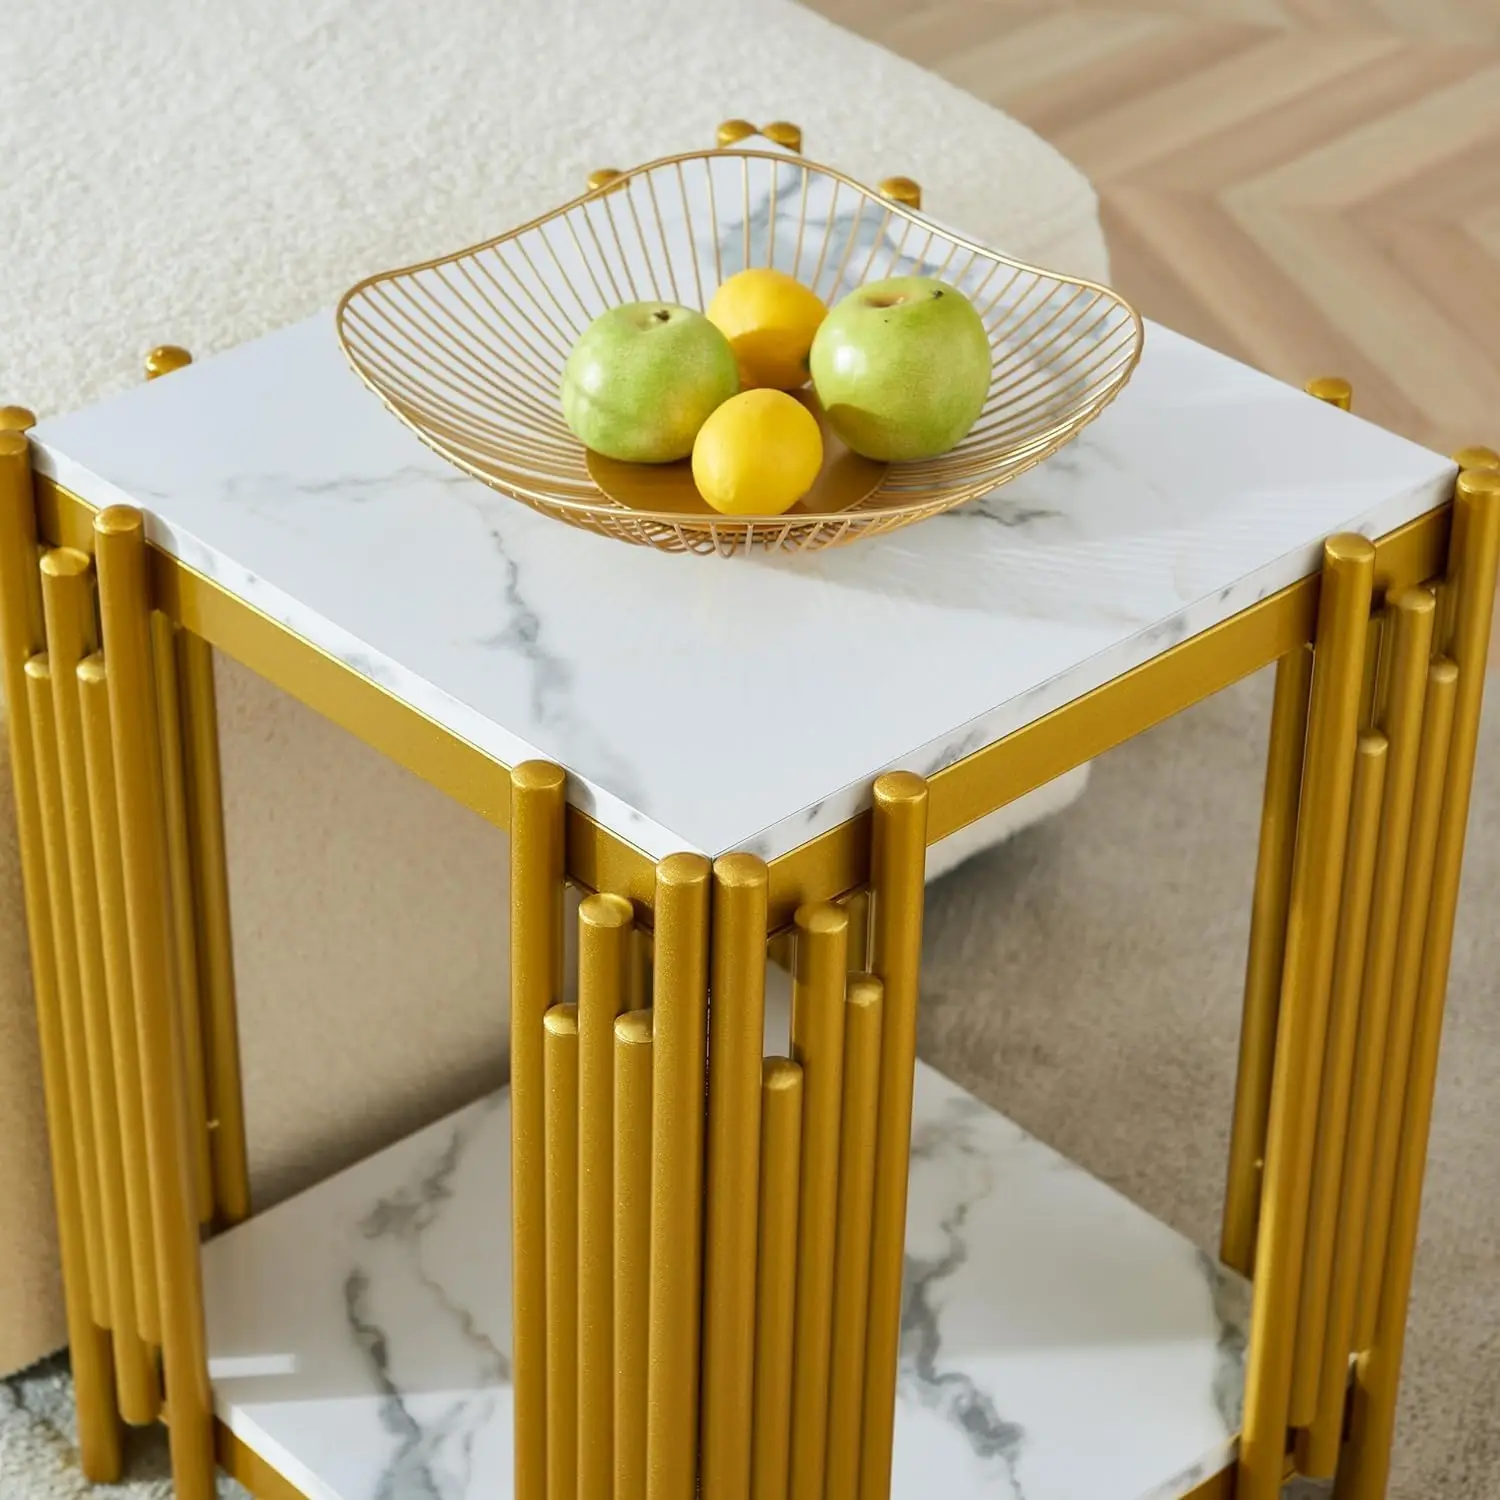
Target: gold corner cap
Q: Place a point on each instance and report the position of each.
(118, 520)
(166, 358)
(1465, 458)
(606, 910)
(65, 562)
(1333, 389)
(634, 1028)
(683, 870)
(741, 871)
(538, 776)
(902, 190)
(895, 787)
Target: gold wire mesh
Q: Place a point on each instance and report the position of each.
(468, 349)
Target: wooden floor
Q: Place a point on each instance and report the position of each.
(1310, 185)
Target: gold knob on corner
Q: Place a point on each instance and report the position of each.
(784, 133)
(1333, 389)
(16, 419)
(731, 131)
(902, 190)
(601, 177)
(1465, 458)
(165, 358)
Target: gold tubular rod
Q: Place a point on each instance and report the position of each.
(68, 606)
(1472, 568)
(1262, 1002)
(1317, 869)
(93, 695)
(120, 553)
(858, 907)
(605, 939)
(1409, 635)
(736, 1048)
(70, 998)
(1338, 1068)
(851, 1287)
(1333, 389)
(679, 1055)
(1411, 934)
(902, 190)
(21, 636)
(632, 1249)
(538, 801)
(560, 1076)
(210, 872)
(776, 1276)
(898, 864)
(180, 874)
(819, 974)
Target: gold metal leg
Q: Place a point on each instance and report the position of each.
(93, 695)
(184, 934)
(21, 637)
(560, 1075)
(1442, 681)
(68, 606)
(821, 969)
(680, 1059)
(536, 900)
(605, 938)
(856, 1196)
(632, 1249)
(776, 1276)
(898, 865)
(69, 987)
(1338, 675)
(1338, 1073)
(1473, 557)
(1268, 915)
(737, 1022)
(210, 873)
(120, 550)
(1409, 647)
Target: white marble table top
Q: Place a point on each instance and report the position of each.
(1058, 1342)
(711, 704)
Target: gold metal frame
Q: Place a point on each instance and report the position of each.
(648, 1164)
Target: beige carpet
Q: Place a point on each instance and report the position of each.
(1085, 979)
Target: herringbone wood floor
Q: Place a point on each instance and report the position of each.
(1310, 185)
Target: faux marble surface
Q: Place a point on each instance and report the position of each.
(746, 703)
(1059, 1344)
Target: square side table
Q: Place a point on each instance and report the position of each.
(714, 1234)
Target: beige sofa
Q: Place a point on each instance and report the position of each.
(272, 154)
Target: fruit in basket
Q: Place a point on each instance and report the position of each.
(769, 319)
(902, 368)
(758, 454)
(643, 378)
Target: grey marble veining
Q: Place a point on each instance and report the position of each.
(715, 704)
(1057, 1343)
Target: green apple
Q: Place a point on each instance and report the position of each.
(643, 378)
(902, 367)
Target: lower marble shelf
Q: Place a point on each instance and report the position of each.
(1059, 1343)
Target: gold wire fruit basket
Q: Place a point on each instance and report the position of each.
(468, 349)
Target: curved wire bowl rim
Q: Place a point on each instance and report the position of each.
(1043, 445)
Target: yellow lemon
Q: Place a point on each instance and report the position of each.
(769, 319)
(758, 454)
